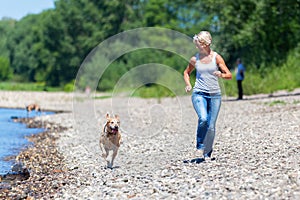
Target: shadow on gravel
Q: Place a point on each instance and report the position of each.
(195, 160)
(111, 168)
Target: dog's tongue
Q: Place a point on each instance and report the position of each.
(114, 130)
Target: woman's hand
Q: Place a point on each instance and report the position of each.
(226, 74)
(218, 74)
(188, 88)
(187, 72)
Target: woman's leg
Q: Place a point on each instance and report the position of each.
(214, 105)
(200, 104)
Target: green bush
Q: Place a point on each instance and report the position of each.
(69, 87)
(154, 91)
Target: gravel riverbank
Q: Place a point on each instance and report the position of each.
(257, 149)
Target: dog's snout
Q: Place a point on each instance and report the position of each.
(115, 127)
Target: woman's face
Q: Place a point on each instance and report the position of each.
(200, 44)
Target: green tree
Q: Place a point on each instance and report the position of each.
(5, 70)
(185, 16)
(29, 55)
(6, 27)
(81, 26)
(262, 32)
(50, 46)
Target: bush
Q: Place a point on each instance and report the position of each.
(154, 91)
(69, 87)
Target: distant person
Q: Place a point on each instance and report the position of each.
(206, 96)
(240, 75)
(88, 91)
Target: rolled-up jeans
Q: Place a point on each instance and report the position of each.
(207, 107)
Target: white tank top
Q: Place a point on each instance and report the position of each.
(206, 81)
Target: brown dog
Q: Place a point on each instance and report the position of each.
(110, 138)
(32, 107)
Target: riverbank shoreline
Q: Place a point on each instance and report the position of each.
(47, 171)
(42, 172)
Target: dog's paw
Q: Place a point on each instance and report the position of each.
(109, 165)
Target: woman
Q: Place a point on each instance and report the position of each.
(206, 96)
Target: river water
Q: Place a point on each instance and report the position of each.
(12, 135)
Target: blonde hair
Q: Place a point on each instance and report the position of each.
(204, 37)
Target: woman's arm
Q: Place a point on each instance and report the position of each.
(225, 73)
(187, 72)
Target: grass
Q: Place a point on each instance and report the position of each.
(296, 102)
(103, 97)
(16, 86)
(276, 102)
(281, 102)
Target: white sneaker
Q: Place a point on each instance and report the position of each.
(198, 153)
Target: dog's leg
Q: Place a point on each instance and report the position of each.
(109, 164)
(115, 152)
(104, 155)
(38, 112)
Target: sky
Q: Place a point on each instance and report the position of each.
(18, 9)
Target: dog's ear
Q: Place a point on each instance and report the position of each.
(107, 116)
(117, 117)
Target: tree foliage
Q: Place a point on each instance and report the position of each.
(50, 47)
(5, 70)
(262, 32)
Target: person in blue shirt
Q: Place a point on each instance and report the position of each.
(240, 75)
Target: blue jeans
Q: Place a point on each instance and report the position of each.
(207, 107)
